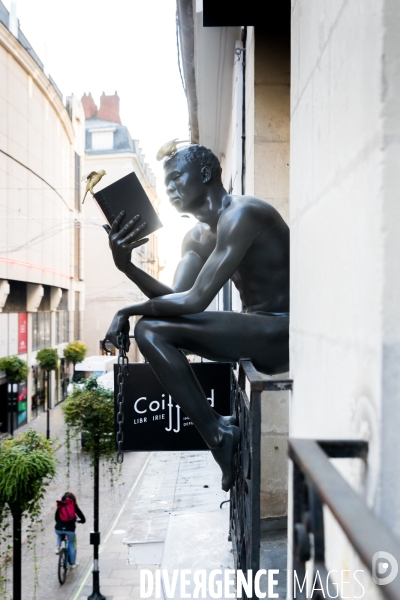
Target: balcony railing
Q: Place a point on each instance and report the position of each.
(317, 482)
(245, 494)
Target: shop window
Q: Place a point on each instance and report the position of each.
(38, 388)
(61, 326)
(41, 330)
(62, 381)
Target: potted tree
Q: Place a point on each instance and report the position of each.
(75, 352)
(89, 410)
(48, 360)
(16, 371)
(27, 464)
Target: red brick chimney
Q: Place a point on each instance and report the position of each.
(89, 106)
(109, 108)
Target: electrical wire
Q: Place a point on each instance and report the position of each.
(50, 232)
(38, 176)
(178, 50)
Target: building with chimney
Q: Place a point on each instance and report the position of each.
(109, 146)
(41, 271)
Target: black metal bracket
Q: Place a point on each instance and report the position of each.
(95, 538)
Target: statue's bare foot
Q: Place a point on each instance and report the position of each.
(224, 454)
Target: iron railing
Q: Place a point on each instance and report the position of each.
(317, 482)
(245, 493)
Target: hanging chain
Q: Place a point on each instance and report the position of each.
(122, 371)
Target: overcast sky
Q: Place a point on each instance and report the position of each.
(128, 46)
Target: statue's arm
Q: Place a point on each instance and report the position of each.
(185, 275)
(236, 232)
(123, 241)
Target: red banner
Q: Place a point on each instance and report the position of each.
(22, 333)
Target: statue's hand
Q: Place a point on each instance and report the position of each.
(120, 323)
(123, 241)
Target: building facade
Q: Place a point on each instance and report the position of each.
(41, 276)
(237, 83)
(109, 146)
(300, 103)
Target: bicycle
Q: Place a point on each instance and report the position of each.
(63, 559)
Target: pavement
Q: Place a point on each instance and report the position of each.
(118, 579)
(163, 513)
(177, 517)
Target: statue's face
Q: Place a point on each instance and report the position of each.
(184, 183)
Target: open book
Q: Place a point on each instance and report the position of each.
(128, 194)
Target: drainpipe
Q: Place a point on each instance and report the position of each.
(244, 38)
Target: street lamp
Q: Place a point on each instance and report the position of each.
(95, 535)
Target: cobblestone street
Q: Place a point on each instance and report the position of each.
(118, 580)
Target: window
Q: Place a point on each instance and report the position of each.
(102, 140)
(77, 248)
(41, 329)
(61, 326)
(77, 182)
(76, 317)
(38, 386)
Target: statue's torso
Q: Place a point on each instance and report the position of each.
(262, 277)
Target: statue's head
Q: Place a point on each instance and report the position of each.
(188, 174)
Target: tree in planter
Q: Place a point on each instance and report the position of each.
(48, 360)
(75, 352)
(16, 371)
(27, 464)
(90, 412)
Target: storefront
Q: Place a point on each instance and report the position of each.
(38, 390)
(13, 397)
(62, 381)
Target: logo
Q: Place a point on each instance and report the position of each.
(384, 568)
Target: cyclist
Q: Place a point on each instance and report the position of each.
(66, 517)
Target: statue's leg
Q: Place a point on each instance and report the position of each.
(216, 336)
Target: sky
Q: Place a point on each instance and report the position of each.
(128, 46)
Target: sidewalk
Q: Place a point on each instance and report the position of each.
(115, 509)
(167, 508)
(177, 521)
(164, 514)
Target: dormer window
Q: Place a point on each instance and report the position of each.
(103, 140)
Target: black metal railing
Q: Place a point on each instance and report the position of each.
(317, 482)
(245, 494)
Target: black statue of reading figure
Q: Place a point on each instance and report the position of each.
(241, 238)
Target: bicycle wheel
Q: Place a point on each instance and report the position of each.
(62, 566)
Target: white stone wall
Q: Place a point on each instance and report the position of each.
(270, 142)
(35, 131)
(38, 141)
(267, 95)
(345, 215)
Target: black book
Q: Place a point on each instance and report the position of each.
(128, 194)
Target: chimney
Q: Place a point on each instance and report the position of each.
(109, 108)
(89, 106)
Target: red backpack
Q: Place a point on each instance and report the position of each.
(66, 509)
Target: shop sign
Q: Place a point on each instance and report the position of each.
(22, 404)
(153, 421)
(22, 333)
